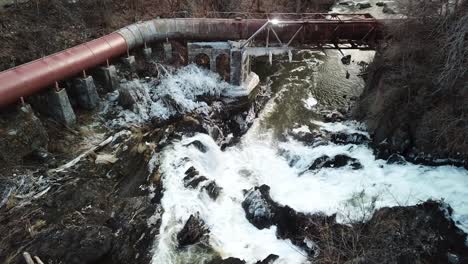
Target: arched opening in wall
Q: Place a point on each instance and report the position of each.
(223, 67)
(202, 60)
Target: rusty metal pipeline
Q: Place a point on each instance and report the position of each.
(30, 78)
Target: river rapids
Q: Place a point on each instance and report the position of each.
(268, 154)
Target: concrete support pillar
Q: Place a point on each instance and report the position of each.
(167, 51)
(108, 77)
(236, 66)
(86, 93)
(213, 64)
(59, 107)
(148, 53)
(130, 63)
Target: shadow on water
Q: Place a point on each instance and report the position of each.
(311, 76)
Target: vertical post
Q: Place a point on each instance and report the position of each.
(85, 93)
(268, 37)
(60, 107)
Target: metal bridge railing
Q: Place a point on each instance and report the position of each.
(292, 16)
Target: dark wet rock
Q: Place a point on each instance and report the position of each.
(453, 259)
(128, 98)
(39, 155)
(74, 245)
(380, 4)
(400, 140)
(388, 10)
(193, 183)
(396, 159)
(227, 261)
(333, 116)
(382, 150)
(213, 190)
(269, 260)
(308, 138)
(346, 60)
(423, 233)
(364, 5)
(21, 134)
(344, 138)
(190, 125)
(130, 226)
(263, 212)
(192, 178)
(190, 173)
(193, 232)
(336, 162)
(345, 3)
(258, 207)
(198, 145)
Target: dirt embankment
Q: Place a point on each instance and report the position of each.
(33, 29)
(416, 94)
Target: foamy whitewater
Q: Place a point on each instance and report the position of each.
(177, 93)
(260, 159)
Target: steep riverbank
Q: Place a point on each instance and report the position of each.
(34, 29)
(415, 98)
(177, 172)
(108, 195)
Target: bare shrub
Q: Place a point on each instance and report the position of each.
(418, 80)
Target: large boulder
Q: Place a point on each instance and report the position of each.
(364, 5)
(193, 232)
(259, 207)
(192, 178)
(353, 138)
(396, 159)
(423, 233)
(21, 134)
(212, 189)
(263, 212)
(131, 94)
(388, 10)
(198, 145)
(336, 162)
(270, 259)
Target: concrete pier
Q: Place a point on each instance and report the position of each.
(108, 78)
(130, 63)
(148, 53)
(85, 92)
(167, 51)
(59, 107)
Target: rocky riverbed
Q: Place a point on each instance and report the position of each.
(172, 170)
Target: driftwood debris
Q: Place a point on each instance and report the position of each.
(83, 155)
(28, 258)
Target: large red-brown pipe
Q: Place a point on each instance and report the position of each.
(30, 78)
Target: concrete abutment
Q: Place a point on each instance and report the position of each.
(107, 76)
(59, 107)
(85, 92)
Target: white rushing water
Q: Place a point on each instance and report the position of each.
(260, 159)
(176, 93)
